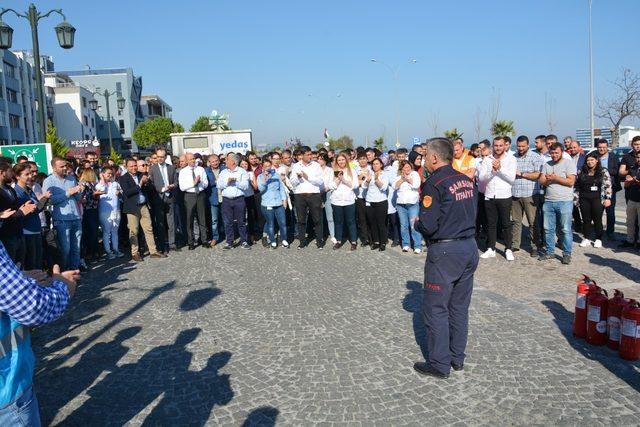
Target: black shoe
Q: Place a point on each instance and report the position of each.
(192, 247)
(302, 244)
(206, 245)
(337, 245)
(566, 259)
(227, 247)
(245, 245)
(515, 249)
(363, 244)
(374, 246)
(534, 253)
(354, 246)
(395, 244)
(382, 248)
(457, 367)
(424, 369)
(174, 248)
(320, 244)
(545, 257)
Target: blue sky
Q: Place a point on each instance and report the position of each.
(259, 61)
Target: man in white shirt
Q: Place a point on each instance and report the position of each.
(307, 179)
(497, 175)
(193, 181)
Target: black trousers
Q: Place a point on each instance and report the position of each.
(14, 246)
(481, 217)
(165, 223)
(498, 209)
(393, 227)
(361, 221)
(195, 206)
(377, 219)
(252, 217)
(33, 252)
(591, 210)
(310, 203)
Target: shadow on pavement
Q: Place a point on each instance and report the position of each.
(160, 379)
(621, 267)
(197, 299)
(265, 416)
(608, 358)
(413, 304)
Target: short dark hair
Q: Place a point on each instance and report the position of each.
(552, 136)
(325, 157)
(602, 141)
(361, 155)
(636, 138)
(507, 139)
(442, 147)
(22, 159)
(20, 167)
(4, 159)
(402, 151)
(474, 147)
(130, 159)
(485, 142)
(555, 146)
(417, 146)
(56, 159)
(391, 151)
(89, 153)
(305, 149)
(523, 138)
(540, 137)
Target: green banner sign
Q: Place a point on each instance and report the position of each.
(39, 153)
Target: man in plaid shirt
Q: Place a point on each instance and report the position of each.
(526, 190)
(26, 299)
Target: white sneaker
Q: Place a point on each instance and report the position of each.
(285, 244)
(597, 243)
(405, 249)
(509, 255)
(417, 251)
(274, 245)
(490, 253)
(334, 240)
(586, 242)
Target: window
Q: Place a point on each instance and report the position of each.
(3, 121)
(10, 70)
(4, 141)
(12, 95)
(85, 120)
(119, 88)
(86, 137)
(195, 142)
(93, 122)
(14, 121)
(84, 102)
(121, 126)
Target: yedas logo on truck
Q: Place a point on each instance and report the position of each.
(235, 145)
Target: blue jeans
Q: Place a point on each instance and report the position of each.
(407, 215)
(69, 237)
(554, 212)
(345, 216)
(271, 215)
(23, 412)
(215, 222)
(328, 212)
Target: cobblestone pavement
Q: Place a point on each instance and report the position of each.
(317, 337)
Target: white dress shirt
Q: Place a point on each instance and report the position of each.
(311, 184)
(186, 179)
(343, 194)
(408, 193)
(498, 183)
(361, 191)
(377, 194)
(235, 188)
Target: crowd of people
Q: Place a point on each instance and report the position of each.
(158, 204)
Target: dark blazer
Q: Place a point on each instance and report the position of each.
(581, 158)
(11, 226)
(156, 178)
(613, 165)
(130, 192)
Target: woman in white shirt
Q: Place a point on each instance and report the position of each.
(393, 229)
(250, 202)
(377, 184)
(343, 201)
(407, 186)
(325, 191)
(109, 191)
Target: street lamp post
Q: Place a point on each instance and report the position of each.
(93, 104)
(65, 33)
(394, 75)
(591, 102)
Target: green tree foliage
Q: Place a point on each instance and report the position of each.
(201, 125)
(177, 128)
(154, 132)
(503, 128)
(58, 146)
(341, 143)
(452, 134)
(379, 143)
(113, 155)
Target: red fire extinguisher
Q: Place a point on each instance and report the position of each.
(614, 313)
(580, 314)
(630, 331)
(597, 301)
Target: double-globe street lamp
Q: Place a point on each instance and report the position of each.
(65, 33)
(394, 74)
(93, 104)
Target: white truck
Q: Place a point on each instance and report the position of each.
(213, 142)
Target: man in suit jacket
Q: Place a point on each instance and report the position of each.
(134, 205)
(163, 178)
(612, 164)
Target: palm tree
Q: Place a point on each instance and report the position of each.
(453, 134)
(502, 128)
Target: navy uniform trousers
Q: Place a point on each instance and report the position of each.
(447, 293)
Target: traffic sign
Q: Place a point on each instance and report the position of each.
(39, 153)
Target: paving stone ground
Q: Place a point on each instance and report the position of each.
(317, 337)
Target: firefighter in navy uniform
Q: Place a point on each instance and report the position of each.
(447, 221)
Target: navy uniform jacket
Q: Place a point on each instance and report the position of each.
(448, 206)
